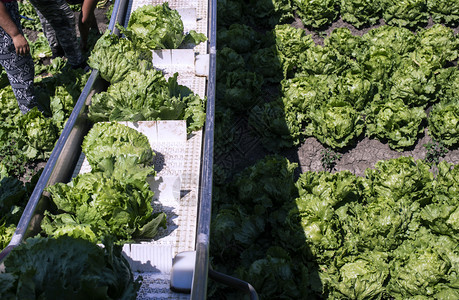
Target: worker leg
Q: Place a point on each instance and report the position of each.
(87, 21)
(50, 35)
(62, 19)
(19, 69)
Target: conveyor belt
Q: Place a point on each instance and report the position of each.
(186, 163)
(182, 160)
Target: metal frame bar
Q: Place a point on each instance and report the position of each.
(200, 276)
(66, 140)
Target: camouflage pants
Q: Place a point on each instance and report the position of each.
(19, 69)
(58, 22)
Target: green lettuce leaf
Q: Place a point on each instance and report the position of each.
(444, 122)
(159, 27)
(361, 276)
(361, 12)
(405, 13)
(240, 90)
(115, 57)
(113, 203)
(345, 42)
(290, 43)
(442, 215)
(65, 267)
(40, 133)
(423, 266)
(336, 124)
(444, 11)
(108, 141)
(414, 85)
(277, 128)
(148, 96)
(398, 178)
(239, 37)
(441, 39)
(270, 12)
(401, 40)
(395, 122)
(317, 13)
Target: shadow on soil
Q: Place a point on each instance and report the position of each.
(256, 232)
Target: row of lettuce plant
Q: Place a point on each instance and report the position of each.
(379, 84)
(391, 234)
(112, 203)
(318, 14)
(336, 236)
(26, 141)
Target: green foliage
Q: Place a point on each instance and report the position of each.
(424, 266)
(114, 199)
(40, 134)
(442, 215)
(40, 49)
(344, 237)
(115, 57)
(435, 151)
(276, 129)
(358, 277)
(444, 11)
(395, 122)
(239, 37)
(27, 10)
(270, 12)
(159, 27)
(353, 88)
(107, 141)
(441, 40)
(13, 195)
(336, 124)
(405, 13)
(444, 122)
(66, 268)
(399, 39)
(12, 157)
(290, 42)
(329, 159)
(415, 86)
(28, 139)
(361, 12)
(148, 96)
(344, 42)
(266, 63)
(246, 224)
(225, 132)
(228, 60)
(317, 13)
(230, 12)
(6, 233)
(399, 178)
(240, 90)
(320, 60)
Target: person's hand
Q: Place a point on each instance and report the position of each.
(21, 45)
